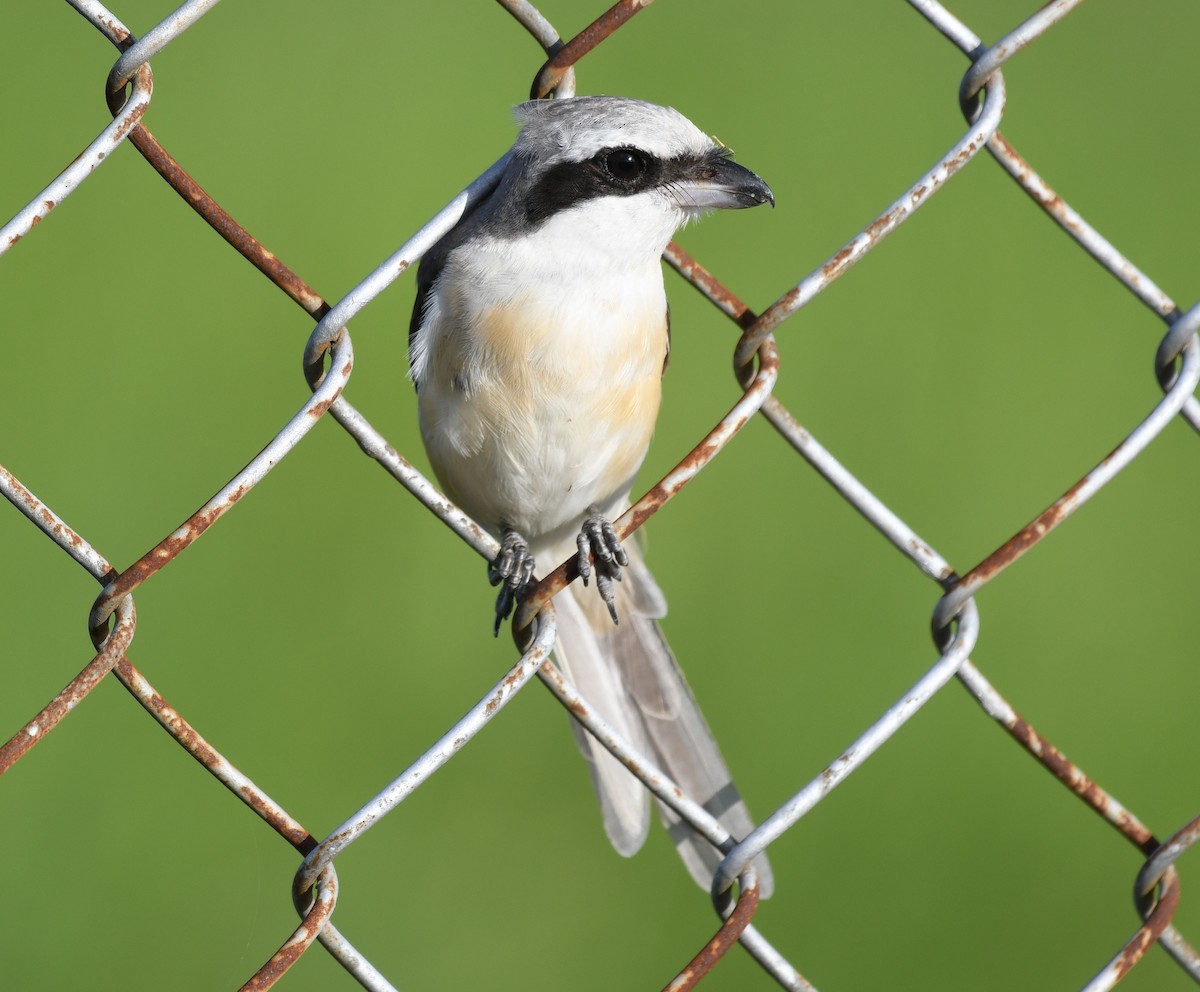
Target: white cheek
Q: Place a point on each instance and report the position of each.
(609, 232)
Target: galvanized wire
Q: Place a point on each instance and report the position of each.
(328, 366)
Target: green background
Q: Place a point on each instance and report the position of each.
(328, 630)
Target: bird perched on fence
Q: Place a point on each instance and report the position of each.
(538, 341)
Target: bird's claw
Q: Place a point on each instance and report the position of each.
(511, 570)
(598, 539)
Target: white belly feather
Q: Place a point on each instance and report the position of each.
(538, 403)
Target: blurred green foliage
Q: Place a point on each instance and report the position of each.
(328, 630)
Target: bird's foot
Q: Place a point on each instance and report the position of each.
(597, 539)
(511, 570)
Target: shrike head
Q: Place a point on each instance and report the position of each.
(612, 168)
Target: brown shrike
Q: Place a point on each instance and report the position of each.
(538, 343)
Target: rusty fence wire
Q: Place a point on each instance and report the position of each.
(329, 365)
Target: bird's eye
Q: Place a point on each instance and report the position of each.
(624, 164)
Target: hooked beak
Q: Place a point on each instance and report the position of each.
(719, 182)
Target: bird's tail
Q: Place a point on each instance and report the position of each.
(629, 675)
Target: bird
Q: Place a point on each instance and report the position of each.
(539, 337)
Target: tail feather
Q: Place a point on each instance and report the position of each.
(624, 802)
(629, 674)
(684, 746)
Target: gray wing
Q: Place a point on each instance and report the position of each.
(435, 259)
(427, 274)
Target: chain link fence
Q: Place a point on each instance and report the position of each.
(246, 715)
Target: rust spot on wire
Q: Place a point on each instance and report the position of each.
(50, 522)
(725, 938)
(1067, 772)
(551, 74)
(57, 709)
(999, 139)
(884, 223)
(120, 35)
(223, 223)
(1014, 547)
(339, 839)
(578, 709)
(170, 547)
(54, 711)
(283, 959)
(126, 127)
(1033, 532)
(298, 837)
(493, 704)
(1150, 931)
(962, 158)
(318, 410)
(715, 291)
(830, 270)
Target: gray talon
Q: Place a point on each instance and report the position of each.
(512, 570)
(584, 544)
(598, 539)
(604, 583)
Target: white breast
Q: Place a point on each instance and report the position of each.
(538, 369)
